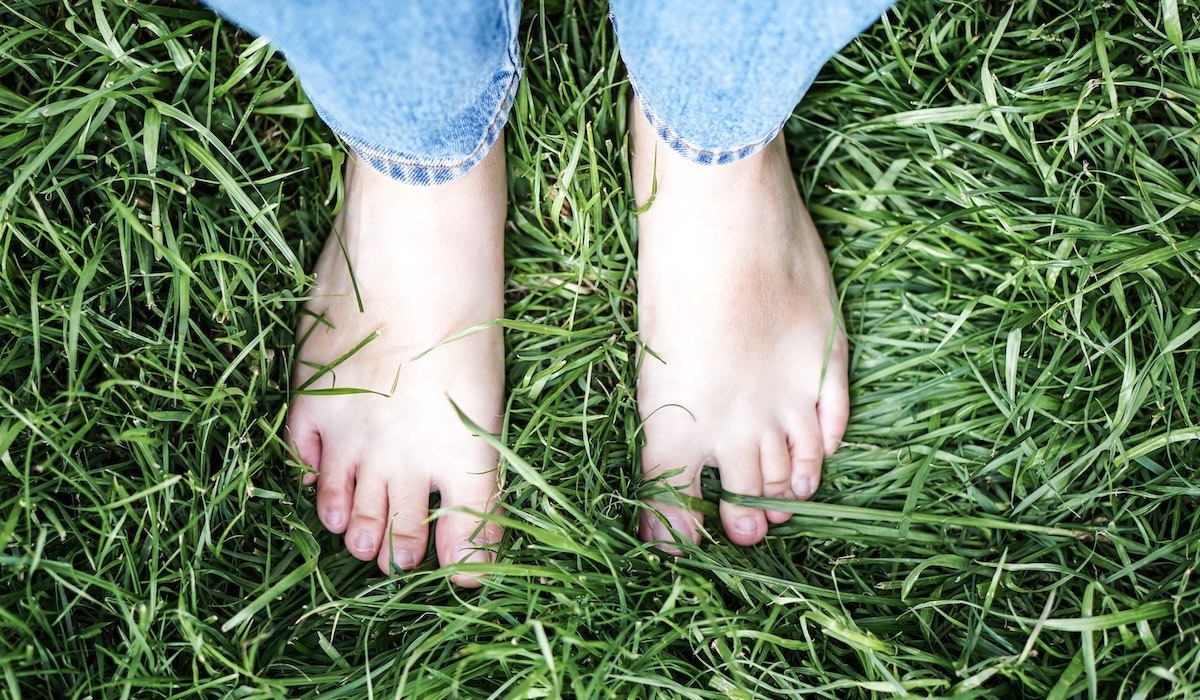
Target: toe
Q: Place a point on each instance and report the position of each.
(305, 441)
(833, 406)
(741, 473)
(368, 517)
(463, 534)
(666, 524)
(807, 451)
(777, 473)
(407, 531)
(335, 493)
(665, 519)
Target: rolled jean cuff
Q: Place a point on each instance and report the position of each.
(414, 169)
(694, 153)
(718, 79)
(419, 90)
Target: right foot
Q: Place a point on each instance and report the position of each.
(427, 263)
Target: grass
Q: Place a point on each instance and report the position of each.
(1009, 197)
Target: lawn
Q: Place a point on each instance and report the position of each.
(1009, 196)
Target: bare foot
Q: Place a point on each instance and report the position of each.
(735, 297)
(406, 268)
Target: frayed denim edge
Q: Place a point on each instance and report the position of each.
(695, 154)
(409, 169)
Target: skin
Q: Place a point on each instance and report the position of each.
(747, 369)
(429, 264)
(749, 366)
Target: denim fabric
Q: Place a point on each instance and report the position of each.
(717, 80)
(421, 90)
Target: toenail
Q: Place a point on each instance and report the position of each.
(746, 526)
(335, 519)
(468, 551)
(678, 524)
(363, 542)
(649, 526)
(805, 487)
(403, 559)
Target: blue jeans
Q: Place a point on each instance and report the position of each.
(421, 89)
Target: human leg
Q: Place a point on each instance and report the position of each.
(747, 369)
(419, 91)
(717, 80)
(415, 260)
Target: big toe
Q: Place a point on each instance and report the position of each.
(668, 525)
(833, 406)
(671, 471)
(466, 533)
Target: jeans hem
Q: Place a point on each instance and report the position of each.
(703, 156)
(412, 169)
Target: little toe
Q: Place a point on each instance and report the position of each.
(368, 517)
(335, 493)
(464, 534)
(807, 455)
(305, 441)
(407, 532)
(741, 473)
(777, 473)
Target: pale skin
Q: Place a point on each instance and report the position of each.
(748, 360)
(429, 265)
(735, 302)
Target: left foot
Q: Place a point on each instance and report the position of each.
(735, 296)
